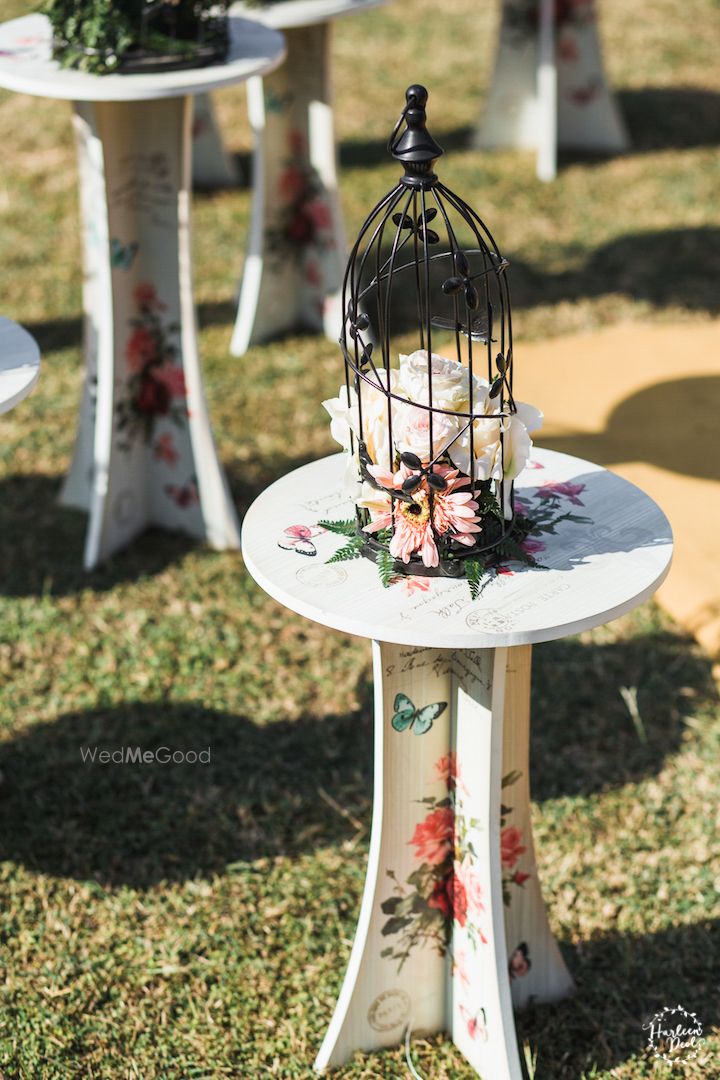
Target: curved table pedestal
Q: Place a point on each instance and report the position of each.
(453, 931)
(548, 88)
(413, 964)
(296, 249)
(144, 453)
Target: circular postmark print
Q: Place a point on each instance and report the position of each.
(490, 621)
(322, 575)
(389, 1010)
(675, 1035)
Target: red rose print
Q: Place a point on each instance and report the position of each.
(153, 398)
(439, 898)
(511, 846)
(433, 837)
(519, 878)
(292, 183)
(141, 349)
(173, 379)
(458, 897)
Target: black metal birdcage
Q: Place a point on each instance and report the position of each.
(429, 439)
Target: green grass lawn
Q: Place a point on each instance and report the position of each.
(196, 921)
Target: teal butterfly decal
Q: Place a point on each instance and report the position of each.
(418, 720)
(277, 103)
(122, 255)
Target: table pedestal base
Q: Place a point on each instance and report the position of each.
(294, 263)
(548, 88)
(453, 929)
(212, 166)
(144, 453)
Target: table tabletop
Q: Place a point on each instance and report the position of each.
(290, 14)
(27, 66)
(594, 569)
(19, 363)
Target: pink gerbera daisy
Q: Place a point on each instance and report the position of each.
(417, 524)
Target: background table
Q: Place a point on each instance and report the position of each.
(466, 776)
(548, 88)
(19, 364)
(144, 453)
(296, 249)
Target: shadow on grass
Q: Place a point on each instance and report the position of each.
(260, 796)
(138, 824)
(584, 738)
(42, 542)
(622, 981)
(666, 118)
(637, 429)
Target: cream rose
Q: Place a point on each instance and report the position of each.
(450, 382)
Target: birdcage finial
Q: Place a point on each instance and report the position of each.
(415, 148)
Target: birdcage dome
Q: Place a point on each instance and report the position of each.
(427, 415)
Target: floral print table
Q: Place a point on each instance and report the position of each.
(453, 931)
(548, 87)
(296, 254)
(144, 453)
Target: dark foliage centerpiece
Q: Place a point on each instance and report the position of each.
(434, 434)
(134, 36)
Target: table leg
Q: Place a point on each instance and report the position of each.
(587, 115)
(452, 918)
(212, 166)
(144, 453)
(293, 268)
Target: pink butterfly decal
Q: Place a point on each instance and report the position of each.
(475, 1024)
(298, 538)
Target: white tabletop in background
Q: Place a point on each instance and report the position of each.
(19, 364)
(26, 65)
(293, 13)
(596, 572)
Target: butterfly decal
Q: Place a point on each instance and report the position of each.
(418, 720)
(122, 255)
(298, 538)
(476, 1025)
(277, 103)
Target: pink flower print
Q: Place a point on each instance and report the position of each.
(465, 874)
(414, 584)
(532, 547)
(141, 349)
(297, 143)
(291, 183)
(460, 967)
(521, 506)
(504, 570)
(458, 897)
(319, 213)
(146, 297)
(183, 495)
(511, 847)
(566, 490)
(164, 450)
(172, 378)
(534, 465)
(312, 273)
(433, 837)
(447, 769)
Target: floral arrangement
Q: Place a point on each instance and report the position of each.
(304, 220)
(155, 387)
(103, 36)
(425, 480)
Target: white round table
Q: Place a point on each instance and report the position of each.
(453, 930)
(144, 453)
(19, 364)
(548, 88)
(296, 249)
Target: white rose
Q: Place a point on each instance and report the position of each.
(411, 431)
(345, 416)
(450, 382)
